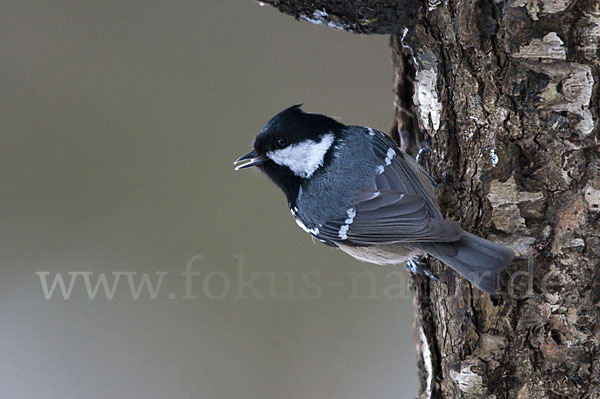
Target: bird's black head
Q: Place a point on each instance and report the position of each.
(292, 146)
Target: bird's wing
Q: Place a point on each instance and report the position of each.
(397, 171)
(401, 208)
(388, 216)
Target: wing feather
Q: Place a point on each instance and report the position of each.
(400, 209)
(390, 217)
(402, 173)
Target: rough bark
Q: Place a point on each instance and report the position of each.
(506, 95)
(357, 16)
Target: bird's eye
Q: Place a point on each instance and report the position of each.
(281, 142)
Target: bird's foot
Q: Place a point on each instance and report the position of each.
(417, 265)
(421, 158)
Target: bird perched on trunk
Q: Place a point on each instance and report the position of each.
(352, 188)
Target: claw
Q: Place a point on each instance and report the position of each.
(416, 265)
(430, 274)
(412, 266)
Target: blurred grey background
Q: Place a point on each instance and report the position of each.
(119, 123)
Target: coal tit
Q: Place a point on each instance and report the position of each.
(352, 188)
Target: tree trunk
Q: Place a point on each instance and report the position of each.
(504, 94)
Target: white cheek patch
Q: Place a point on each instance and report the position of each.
(303, 158)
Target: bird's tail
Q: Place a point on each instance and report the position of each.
(475, 258)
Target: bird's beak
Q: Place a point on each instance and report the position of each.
(254, 160)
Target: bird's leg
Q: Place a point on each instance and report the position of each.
(417, 265)
(421, 156)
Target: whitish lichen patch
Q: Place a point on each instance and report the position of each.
(550, 47)
(427, 363)
(570, 89)
(555, 6)
(426, 97)
(469, 379)
(505, 198)
(592, 198)
(531, 5)
(535, 7)
(321, 17)
(521, 245)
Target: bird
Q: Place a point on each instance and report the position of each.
(352, 188)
